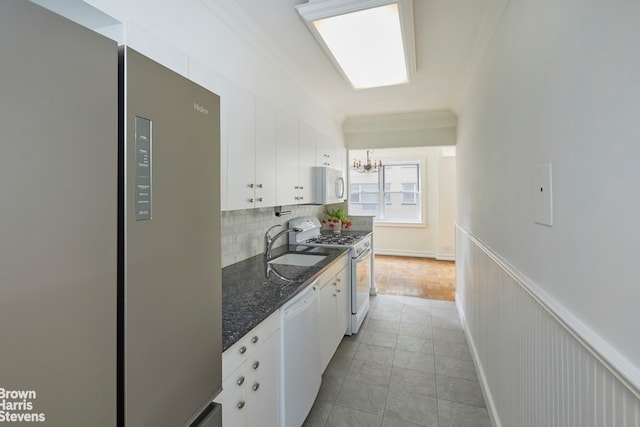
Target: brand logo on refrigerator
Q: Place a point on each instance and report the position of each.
(199, 108)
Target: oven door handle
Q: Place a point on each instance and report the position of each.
(363, 255)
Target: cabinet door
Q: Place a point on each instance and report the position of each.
(326, 152)
(240, 149)
(287, 165)
(263, 386)
(266, 154)
(342, 160)
(327, 324)
(233, 398)
(343, 309)
(307, 161)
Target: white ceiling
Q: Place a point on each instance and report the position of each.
(446, 33)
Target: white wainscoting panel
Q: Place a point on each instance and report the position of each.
(534, 370)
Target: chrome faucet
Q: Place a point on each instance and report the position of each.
(270, 240)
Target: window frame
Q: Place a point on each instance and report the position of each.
(384, 195)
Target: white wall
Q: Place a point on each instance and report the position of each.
(447, 206)
(559, 83)
(434, 238)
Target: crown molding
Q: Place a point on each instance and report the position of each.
(418, 120)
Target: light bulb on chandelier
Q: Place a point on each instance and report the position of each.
(368, 167)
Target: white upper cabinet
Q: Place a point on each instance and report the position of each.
(296, 159)
(241, 134)
(266, 154)
(342, 160)
(331, 154)
(288, 153)
(328, 152)
(306, 163)
(250, 147)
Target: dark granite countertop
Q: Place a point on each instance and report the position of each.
(248, 297)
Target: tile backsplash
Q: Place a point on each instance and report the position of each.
(243, 230)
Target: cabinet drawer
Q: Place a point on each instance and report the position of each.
(245, 346)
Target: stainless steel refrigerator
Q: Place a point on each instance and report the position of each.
(58, 220)
(170, 287)
(110, 285)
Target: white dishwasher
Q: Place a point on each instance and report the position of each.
(300, 363)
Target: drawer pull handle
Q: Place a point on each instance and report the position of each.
(256, 365)
(256, 386)
(338, 290)
(243, 350)
(254, 339)
(241, 404)
(240, 381)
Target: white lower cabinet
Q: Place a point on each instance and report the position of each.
(251, 388)
(334, 311)
(327, 323)
(343, 315)
(250, 370)
(263, 387)
(234, 398)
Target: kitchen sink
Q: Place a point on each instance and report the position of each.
(300, 260)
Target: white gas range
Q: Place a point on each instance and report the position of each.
(360, 252)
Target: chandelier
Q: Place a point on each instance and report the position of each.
(368, 167)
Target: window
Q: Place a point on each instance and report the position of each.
(409, 194)
(392, 195)
(365, 197)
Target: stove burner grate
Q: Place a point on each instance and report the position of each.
(335, 239)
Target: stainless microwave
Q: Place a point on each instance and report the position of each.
(330, 186)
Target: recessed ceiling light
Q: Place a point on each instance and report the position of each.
(370, 41)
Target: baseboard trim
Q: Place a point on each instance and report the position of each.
(445, 256)
(488, 397)
(396, 252)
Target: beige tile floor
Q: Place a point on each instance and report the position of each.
(409, 366)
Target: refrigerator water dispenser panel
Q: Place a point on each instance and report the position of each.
(143, 169)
